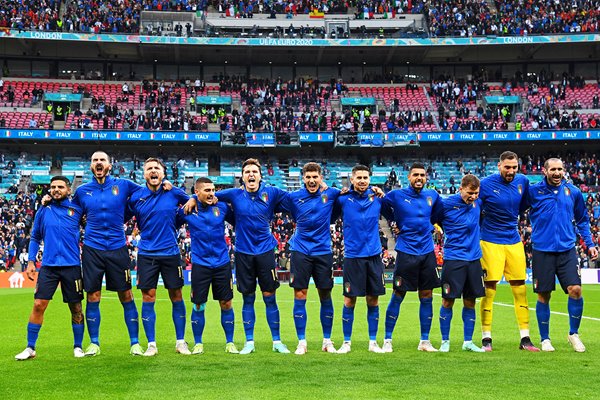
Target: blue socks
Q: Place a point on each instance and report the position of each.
(373, 321)
(249, 316)
(347, 322)
(575, 308)
(542, 311)
(300, 318)
(327, 317)
(425, 317)
(179, 319)
(272, 315)
(445, 322)
(131, 320)
(149, 320)
(391, 315)
(198, 322)
(92, 317)
(468, 316)
(77, 334)
(33, 331)
(227, 322)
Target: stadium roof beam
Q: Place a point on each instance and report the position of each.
(529, 51)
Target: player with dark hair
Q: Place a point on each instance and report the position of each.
(103, 202)
(57, 226)
(155, 210)
(253, 206)
(363, 268)
(558, 213)
(311, 207)
(416, 265)
(503, 197)
(210, 262)
(461, 274)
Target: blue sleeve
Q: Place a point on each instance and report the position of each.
(180, 218)
(180, 195)
(75, 199)
(582, 219)
(285, 205)
(132, 187)
(337, 209)
(387, 211)
(226, 195)
(525, 198)
(230, 216)
(36, 234)
(437, 212)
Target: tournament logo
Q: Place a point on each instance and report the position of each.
(567, 191)
(70, 212)
(115, 190)
(347, 287)
(264, 196)
(520, 188)
(446, 288)
(216, 211)
(429, 201)
(371, 197)
(324, 198)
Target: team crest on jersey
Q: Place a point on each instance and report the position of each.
(520, 188)
(216, 211)
(446, 288)
(535, 284)
(398, 282)
(115, 190)
(324, 198)
(264, 196)
(429, 201)
(567, 191)
(347, 287)
(291, 278)
(371, 197)
(70, 212)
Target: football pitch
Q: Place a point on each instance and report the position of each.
(506, 373)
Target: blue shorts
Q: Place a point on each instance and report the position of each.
(415, 272)
(462, 278)
(548, 265)
(70, 281)
(303, 267)
(149, 267)
(113, 263)
(250, 268)
(363, 277)
(219, 278)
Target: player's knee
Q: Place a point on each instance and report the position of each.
(574, 291)
(324, 294)
(349, 302)
(125, 296)
(175, 295)
(516, 283)
(249, 299)
(425, 294)
(225, 305)
(544, 297)
(199, 307)
(372, 301)
(94, 297)
(39, 305)
(447, 303)
(491, 285)
(300, 294)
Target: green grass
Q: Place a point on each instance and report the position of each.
(506, 373)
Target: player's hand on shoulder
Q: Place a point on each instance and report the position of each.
(378, 191)
(191, 206)
(345, 190)
(46, 200)
(324, 186)
(167, 185)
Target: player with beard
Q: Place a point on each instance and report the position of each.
(558, 214)
(57, 226)
(363, 268)
(503, 197)
(155, 210)
(416, 265)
